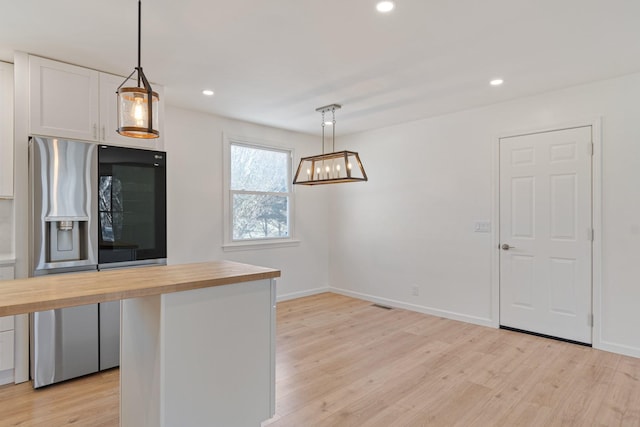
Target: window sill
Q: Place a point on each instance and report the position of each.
(256, 244)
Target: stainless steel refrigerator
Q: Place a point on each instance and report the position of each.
(70, 342)
(93, 207)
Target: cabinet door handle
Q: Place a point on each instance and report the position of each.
(95, 131)
(104, 133)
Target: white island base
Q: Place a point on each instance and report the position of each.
(199, 358)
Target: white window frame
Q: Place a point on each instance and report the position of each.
(250, 244)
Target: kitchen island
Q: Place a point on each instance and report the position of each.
(197, 342)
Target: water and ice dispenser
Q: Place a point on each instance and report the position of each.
(63, 241)
(64, 228)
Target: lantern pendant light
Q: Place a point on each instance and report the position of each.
(138, 105)
(332, 168)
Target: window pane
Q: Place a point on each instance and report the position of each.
(260, 216)
(257, 169)
(104, 193)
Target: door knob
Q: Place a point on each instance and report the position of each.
(506, 247)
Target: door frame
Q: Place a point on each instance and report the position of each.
(596, 215)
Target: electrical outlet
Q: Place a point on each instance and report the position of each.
(415, 290)
(482, 227)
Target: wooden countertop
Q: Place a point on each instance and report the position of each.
(66, 290)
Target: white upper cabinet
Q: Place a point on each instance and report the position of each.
(73, 102)
(6, 130)
(63, 100)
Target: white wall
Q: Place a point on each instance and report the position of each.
(195, 201)
(412, 223)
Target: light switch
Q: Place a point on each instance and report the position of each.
(482, 226)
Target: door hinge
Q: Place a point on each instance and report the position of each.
(591, 149)
(591, 234)
(590, 319)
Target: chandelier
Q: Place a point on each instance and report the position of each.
(331, 168)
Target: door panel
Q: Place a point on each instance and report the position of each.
(64, 344)
(563, 286)
(109, 334)
(522, 279)
(545, 219)
(563, 206)
(523, 201)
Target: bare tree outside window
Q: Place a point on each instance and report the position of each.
(260, 192)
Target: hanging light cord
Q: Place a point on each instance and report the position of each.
(333, 138)
(322, 131)
(333, 122)
(139, 67)
(139, 38)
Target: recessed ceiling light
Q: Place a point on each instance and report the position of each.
(385, 6)
(496, 82)
(207, 92)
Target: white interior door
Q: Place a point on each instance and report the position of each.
(546, 233)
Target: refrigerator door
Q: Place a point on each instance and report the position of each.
(63, 178)
(109, 334)
(132, 207)
(64, 344)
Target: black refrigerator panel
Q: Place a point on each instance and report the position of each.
(131, 207)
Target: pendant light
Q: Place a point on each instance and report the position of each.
(138, 105)
(331, 168)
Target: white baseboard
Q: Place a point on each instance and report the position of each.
(601, 345)
(301, 294)
(418, 308)
(617, 348)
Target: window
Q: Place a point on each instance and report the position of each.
(259, 198)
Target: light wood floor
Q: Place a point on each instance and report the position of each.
(343, 362)
(88, 401)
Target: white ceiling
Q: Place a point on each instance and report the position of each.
(273, 62)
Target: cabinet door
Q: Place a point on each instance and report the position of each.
(6, 333)
(6, 323)
(109, 115)
(6, 350)
(7, 272)
(6, 130)
(63, 100)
